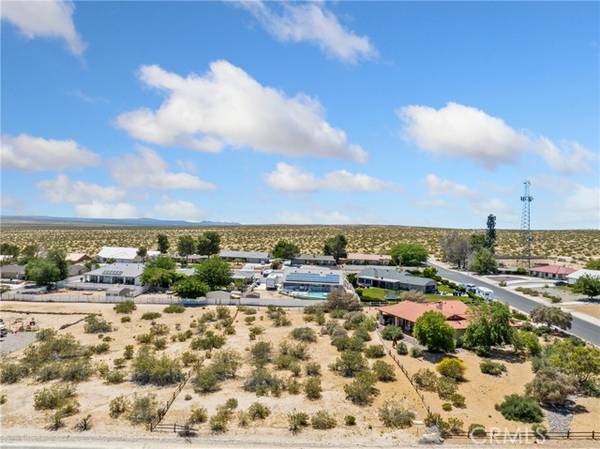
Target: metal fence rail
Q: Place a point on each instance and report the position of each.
(496, 435)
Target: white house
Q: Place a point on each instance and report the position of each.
(572, 278)
(116, 273)
(118, 254)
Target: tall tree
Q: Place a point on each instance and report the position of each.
(490, 233)
(8, 249)
(214, 272)
(456, 248)
(42, 271)
(59, 258)
(336, 247)
(285, 250)
(483, 262)
(432, 330)
(209, 243)
(186, 245)
(163, 243)
(490, 326)
(409, 254)
(142, 252)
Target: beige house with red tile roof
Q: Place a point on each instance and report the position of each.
(406, 313)
(559, 272)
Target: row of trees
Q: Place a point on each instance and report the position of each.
(207, 244)
(211, 274)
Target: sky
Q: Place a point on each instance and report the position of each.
(408, 113)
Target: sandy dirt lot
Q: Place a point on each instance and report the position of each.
(482, 392)
(592, 310)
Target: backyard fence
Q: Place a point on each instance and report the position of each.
(503, 436)
(152, 425)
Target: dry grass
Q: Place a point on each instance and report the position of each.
(572, 246)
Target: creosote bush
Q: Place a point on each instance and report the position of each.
(305, 334)
(149, 316)
(127, 306)
(312, 388)
(198, 416)
(174, 308)
(520, 408)
(452, 368)
(322, 420)
(258, 411)
(148, 368)
(143, 410)
(297, 421)
(383, 371)
(492, 368)
(96, 325)
(118, 406)
(395, 415)
(375, 351)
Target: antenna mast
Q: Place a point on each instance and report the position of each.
(526, 200)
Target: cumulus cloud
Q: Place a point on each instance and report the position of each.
(439, 186)
(25, 152)
(311, 22)
(178, 210)
(293, 179)
(147, 169)
(48, 18)
(99, 209)
(582, 205)
(228, 108)
(464, 131)
(481, 206)
(64, 190)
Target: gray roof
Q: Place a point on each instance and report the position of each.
(132, 270)
(12, 268)
(312, 276)
(391, 275)
(244, 254)
(314, 257)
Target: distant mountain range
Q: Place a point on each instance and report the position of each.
(35, 219)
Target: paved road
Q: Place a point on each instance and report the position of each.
(581, 328)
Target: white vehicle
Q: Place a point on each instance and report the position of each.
(485, 293)
(272, 280)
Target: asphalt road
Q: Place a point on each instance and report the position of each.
(581, 328)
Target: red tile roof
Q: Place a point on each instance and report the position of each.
(456, 312)
(553, 269)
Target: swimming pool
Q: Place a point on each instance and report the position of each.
(306, 295)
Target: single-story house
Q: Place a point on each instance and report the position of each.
(116, 273)
(311, 259)
(406, 313)
(194, 258)
(76, 269)
(559, 272)
(311, 279)
(572, 278)
(367, 259)
(244, 275)
(12, 271)
(392, 279)
(118, 254)
(77, 257)
(245, 256)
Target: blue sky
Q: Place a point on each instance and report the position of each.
(396, 113)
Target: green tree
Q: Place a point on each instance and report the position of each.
(160, 272)
(550, 386)
(432, 330)
(190, 287)
(575, 359)
(410, 254)
(593, 264)
(58, 258)
(214, 272)
(336, 247)
(163, 243)
(209, 243)
(186, 245)
(8, 249)
(456, 248)
(490, 233)
(164, 262)
(490, 327)
(42, 271)
(142, 252)
(588, 285)
(551, 316)
(483, 262)
(285, 250)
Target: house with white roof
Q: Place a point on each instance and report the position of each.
(116, 273)
(572, 278)
(118, 254)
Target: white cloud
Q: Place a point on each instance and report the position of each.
(99, 209)
(147, 169)
(178, 210)
(64, 190)
(582, 205)
(48, 18)
(481, 206)
(464, 131)
(9, 204)
(25, 152)
(228, 108)
(311, 22)
(293, 179)
(439, 186)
